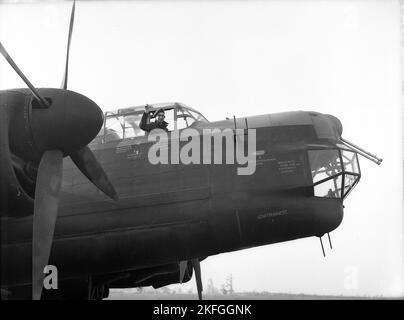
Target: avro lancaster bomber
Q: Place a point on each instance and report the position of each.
(79, 191)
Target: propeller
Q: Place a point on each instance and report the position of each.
(90, 167)
(34, 91)
(47, 190)
(84, 158)
(196, 265)
(4, 156)
(68, 112)
(64, 82)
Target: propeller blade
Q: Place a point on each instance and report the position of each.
(183, 267)
(46, 205)
(4, 156)
(91, 168)
(64, 83)
(34, 91)
(197, 267)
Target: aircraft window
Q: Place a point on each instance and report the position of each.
(113, 128)
(184, 119)
(350, 160)
(350, 182)
(197, 116)
(324, 164)
(170, 119)
(132, 126)
(126, 122)
(181, 124)
(330, 188)
(330, 173)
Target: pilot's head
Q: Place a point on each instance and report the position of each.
(160, 115)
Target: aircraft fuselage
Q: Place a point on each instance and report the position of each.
(173, 212)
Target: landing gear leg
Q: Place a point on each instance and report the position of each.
(96, 291)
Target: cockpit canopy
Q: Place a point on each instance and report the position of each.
(125, 123)
(335, 172)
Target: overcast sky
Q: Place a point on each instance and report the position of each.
(242, 58)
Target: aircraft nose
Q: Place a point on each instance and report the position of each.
(69, 124)
(329, 214)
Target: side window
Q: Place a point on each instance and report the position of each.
(184, 119)
(335, 173)
(181, 124)
(113, 128)
(330, 188)
(196, 116)
(326, 171)
(169, 119)
(324, 164)
(132, 126)
(352, 171)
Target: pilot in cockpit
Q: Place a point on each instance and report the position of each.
(159, 123)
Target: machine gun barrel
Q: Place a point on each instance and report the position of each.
(364, 153)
